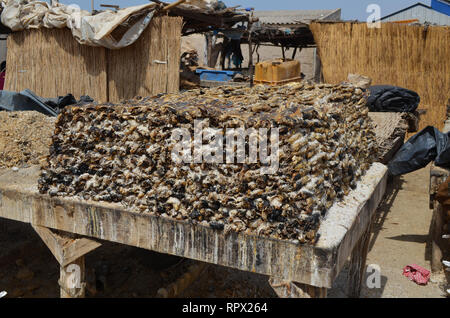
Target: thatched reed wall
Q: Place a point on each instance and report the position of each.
(52, 63)
(414, 57)
(151, 65)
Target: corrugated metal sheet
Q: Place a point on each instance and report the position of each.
(421, 12)
(442, 6)
(296, 16)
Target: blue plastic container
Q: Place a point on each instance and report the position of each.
(215, 75)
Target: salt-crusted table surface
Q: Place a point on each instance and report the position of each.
(313, 268)
(390, 130)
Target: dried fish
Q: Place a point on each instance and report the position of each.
(123, 153)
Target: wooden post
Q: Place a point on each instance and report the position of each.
(285, 289)
(294, 53)
(438, 222)
(317, 67)
(358, 264)
(250, 51)
(437, 242)
(190, 276)
(257, 52)
(69, 251)
(209, 39)
(173, 5)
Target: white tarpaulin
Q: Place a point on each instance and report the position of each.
(204, 4)
(94, 30)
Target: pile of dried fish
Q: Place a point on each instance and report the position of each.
(124, 154)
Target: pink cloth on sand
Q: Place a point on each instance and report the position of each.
(417, 274)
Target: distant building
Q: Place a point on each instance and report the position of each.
(438, 13)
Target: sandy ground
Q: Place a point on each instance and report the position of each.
(20, 144)
(399, 238)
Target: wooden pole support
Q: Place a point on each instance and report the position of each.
(437, 242)
(72, 279)
(294, 53)
(285, 289)
(173, 5)
(69, 251)
(251, 68)
(438, 222)
(177, 287)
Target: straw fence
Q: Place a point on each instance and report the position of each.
(151, 65)
(414, 57)
(52, 63)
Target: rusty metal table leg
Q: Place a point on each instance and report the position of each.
(358, 264)
(69, 251)
(286, 289)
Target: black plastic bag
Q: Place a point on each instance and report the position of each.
(85, 99)
(427, 145)
(386, 98)
(61, 101)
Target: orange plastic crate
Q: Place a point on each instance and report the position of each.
(277, 72)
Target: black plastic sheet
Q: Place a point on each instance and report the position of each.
(386, 98)
(27, 100)
(426, 146)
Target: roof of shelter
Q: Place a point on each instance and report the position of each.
(293, 16)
